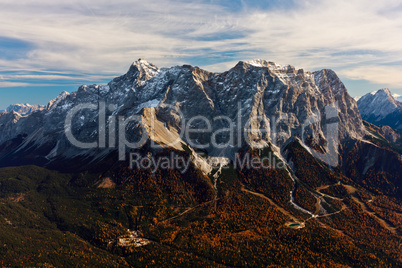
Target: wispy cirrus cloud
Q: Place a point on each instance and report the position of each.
(359, 39)
(12, 84)
(389, 76)
(51, 77)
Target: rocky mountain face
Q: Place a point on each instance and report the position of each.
(390, 133)
(24, 109)
(264, 103)
(381, 108)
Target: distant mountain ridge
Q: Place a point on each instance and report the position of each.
(24, 109)
(381, 108)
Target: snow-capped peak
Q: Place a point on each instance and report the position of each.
(143, 65)
(281, 71)
(380, 105)
(269, 64)
(380, 102)
(57, 100)
(24, 109)
(257, 63)
(381, 91)
(140, 71)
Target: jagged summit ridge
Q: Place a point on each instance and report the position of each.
(143, 71)
(57, 100)
(382, 90)
(24, 109)
(276, 100)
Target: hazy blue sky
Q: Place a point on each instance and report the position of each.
(49, 46)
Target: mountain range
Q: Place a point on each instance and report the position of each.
(270, 96)
(283, 170)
